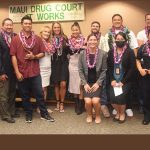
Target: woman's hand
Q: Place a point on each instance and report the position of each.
(143, 72)
(87, 88)
(113, 83)
(120, 84)
(94, 87)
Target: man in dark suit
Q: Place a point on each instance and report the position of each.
(7, 76)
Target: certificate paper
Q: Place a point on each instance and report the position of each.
(118, 90)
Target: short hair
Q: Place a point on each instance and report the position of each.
(91, 35)
(147, 15)
(3, 22)
(117, 15)
(26, 17)
(122, 34)
(96, 23)
(76, 24)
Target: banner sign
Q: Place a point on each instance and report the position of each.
(61, 11)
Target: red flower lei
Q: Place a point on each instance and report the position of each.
(76, 43)
(88, 59)
(48, 46)
(23, 40)
(118, 60)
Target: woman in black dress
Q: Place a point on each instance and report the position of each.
(144, 69)
(121, 67)
(59, 59)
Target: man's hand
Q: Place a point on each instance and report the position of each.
(19, 76)
(30, 55)
(3, 77)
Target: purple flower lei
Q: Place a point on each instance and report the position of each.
(88, 59)
(147, 48)
(72, 42)
(146, 31)
(5, 36)
(117, 61)
(23, 40)
(55, 46)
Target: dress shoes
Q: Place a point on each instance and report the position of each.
(9, 120)
(145, 122)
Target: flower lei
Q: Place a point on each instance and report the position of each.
(6, 37)
(48, 46)
(74, 42)
(88, 59)
(117, 59)
(146, 31)
(112, 34)
(23, 40)
(55, 44)
(147, 48)
(98, 35)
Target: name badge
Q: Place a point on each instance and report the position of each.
(117, 70)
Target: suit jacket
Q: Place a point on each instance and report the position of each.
(128, 64)
(101, 67)
(5, 58)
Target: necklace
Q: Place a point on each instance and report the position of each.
(7, 37)
(88, 59)
(118, 58)
(76, 43)
(147, 48)
(48, 46)
(23, 40)
(98, 35)
(57, 45)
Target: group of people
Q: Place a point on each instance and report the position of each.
(97, 70)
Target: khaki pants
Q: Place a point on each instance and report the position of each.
(7, 98)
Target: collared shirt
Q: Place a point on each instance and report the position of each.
(28, 68)
(103, 44)
(142, 36)
(133, 41)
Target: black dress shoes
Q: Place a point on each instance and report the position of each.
(16, 115)
(145, 122)
(9, 120)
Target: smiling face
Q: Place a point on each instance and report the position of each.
(45, 34)
(8, 26)
(56, 29)
(92, 42)
(117, 21)
(27, 25)
(95, 28)
(147, 21)
(75, 31)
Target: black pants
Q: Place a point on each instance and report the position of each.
(34, 85)
(146, 93)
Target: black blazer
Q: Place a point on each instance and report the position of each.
(5, 58)
(128, 64)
